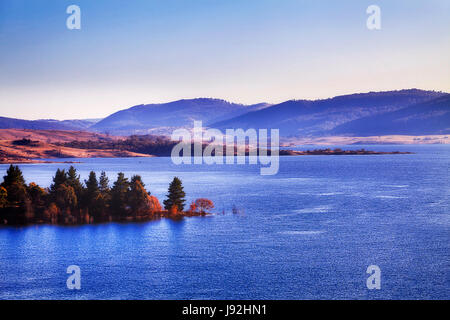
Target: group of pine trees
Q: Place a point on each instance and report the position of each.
(69, 201)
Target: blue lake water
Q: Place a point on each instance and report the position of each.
(309, 232)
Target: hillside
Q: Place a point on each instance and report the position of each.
(320, 117)
(12, 123)
(24, 146)
(431, 117)
(406, 112)
(53, 136)
(162, 118)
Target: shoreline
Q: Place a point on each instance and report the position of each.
(19, 146)
(35, 161)
(69, 201)
(155, 217)
(338, 152)
(282, 153)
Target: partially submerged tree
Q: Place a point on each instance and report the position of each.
(204, 204)
(192, 207)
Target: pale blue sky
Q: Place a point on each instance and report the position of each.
(248, 51)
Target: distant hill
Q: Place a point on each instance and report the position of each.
(54, 136)
(407, 112)
(27, 145)
(11, 123)
(430, 117)
(321, 117)
(143, 119)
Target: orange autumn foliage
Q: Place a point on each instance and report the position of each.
(204, 204)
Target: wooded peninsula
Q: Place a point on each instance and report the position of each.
(38, 146)
(68, 201)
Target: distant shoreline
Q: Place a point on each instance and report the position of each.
(48, 146)
(338, 152)
(282, 153)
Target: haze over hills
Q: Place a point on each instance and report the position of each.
(143, 119)
(321, 117)
(426, 118)
(47, 124)
(405, 112)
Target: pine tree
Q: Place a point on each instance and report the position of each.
(74, 181)
(13, 175)
(14, 183)
(92, 185)
(175, 196)
(103, 183)
(59, 179)
(91, 193)
(135, 178)
(138, 198)
(119, 194)
(104, 198)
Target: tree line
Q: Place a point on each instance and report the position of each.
(70, 201)
(146, 144)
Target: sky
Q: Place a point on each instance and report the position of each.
(247, 51)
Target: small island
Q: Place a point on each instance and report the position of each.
(336, 151)
(68, 201)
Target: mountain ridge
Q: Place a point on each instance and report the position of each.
(142, 119)
(429, 117)
(45, 124)
(343, 114)
(319, 117)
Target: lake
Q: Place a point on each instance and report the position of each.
(309, 232)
